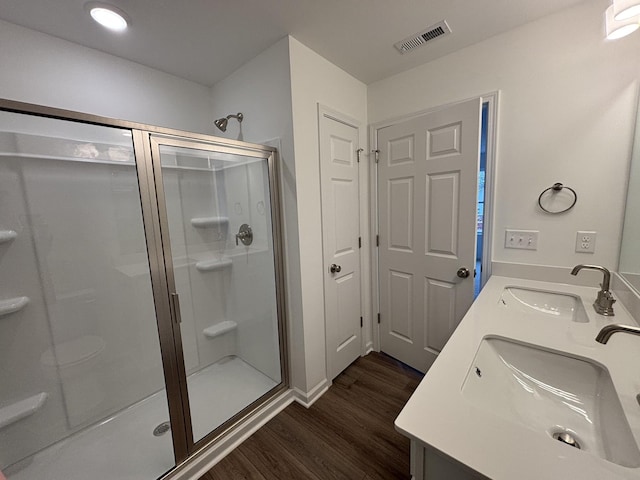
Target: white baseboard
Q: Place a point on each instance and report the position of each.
(202, 461)
(306, 399)
(368, 348)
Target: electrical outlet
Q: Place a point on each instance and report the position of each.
(522, 239)
(586, 242)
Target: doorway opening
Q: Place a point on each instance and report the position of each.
(484, 129)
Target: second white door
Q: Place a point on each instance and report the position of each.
(427, 193)
(341, 240)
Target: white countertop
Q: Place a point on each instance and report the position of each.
(439, 416)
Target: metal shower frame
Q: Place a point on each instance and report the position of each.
(146, 142)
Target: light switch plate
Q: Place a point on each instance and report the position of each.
(586, 242)
(521, 239)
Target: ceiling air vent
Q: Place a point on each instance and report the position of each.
(431, 33)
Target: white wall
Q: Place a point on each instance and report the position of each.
(315, 80)
(38, 68)
(567, 104)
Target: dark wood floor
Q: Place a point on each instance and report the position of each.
(347, 434)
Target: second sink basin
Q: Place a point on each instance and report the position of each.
(553, 394)
(544, 304)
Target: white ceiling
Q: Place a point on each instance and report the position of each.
(206, 40)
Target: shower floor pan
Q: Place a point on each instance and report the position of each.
(123, 447)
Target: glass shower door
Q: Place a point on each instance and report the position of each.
(81, 376)
(218, 241)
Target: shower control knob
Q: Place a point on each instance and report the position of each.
(463, 272)
(335, 268)
(245, 235)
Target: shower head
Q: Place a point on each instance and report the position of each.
(222, 123)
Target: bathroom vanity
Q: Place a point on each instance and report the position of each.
(523, 390)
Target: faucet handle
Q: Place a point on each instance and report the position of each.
(604, 303)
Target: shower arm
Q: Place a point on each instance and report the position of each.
(221, 123)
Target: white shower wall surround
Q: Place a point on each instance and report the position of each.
(240, 291)
(72, 341)
(86, 342)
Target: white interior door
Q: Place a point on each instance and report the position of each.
(341, 241)
(427, 193)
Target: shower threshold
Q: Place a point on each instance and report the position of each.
(124, 446)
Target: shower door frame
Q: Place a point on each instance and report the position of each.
(214, 145)
(155, 224)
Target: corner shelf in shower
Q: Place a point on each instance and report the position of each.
(7, 235)
(22, 409)
(220, 329)
(208, 222)
(213, 265)
(12, 305)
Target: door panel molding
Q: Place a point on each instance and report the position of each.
(442, 198)
(442, 226)
(492, 98)
(341, 238)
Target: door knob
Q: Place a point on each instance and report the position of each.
(463, 272)
(335, 268)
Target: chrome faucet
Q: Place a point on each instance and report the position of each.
(604, 301)
(608, 330)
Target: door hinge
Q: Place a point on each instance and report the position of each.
(361, 323)
(359, 242)
(358, 152)
(378, 318)
(377, 155)
(377, 240)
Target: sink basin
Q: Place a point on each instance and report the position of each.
(552, 394)
(544, 304)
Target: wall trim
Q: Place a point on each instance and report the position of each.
(306, 399)
(201, 462)
(368, 348)
(493, 99)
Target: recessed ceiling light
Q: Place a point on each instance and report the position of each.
(108, 16)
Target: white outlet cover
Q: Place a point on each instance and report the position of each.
(586, 241)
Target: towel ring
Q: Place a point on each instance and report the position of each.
(554, 189)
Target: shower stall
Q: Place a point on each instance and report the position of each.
(141, 293)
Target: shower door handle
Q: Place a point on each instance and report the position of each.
(174, 303)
